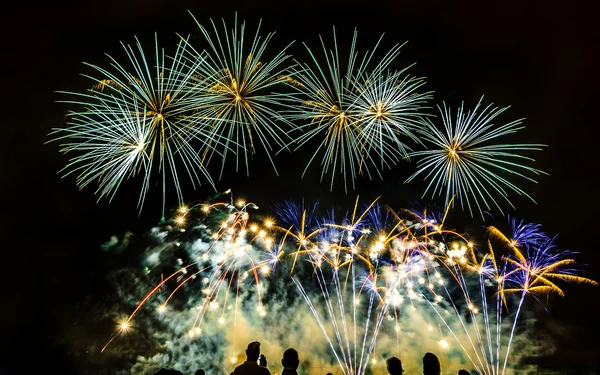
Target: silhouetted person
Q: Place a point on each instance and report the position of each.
(251, 367)
(290, 362)
(329, 373)
(431, 364)
(394, 366)
(463, 372)
(200, 371)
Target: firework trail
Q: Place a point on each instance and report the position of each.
(417, 259)
(339, 270)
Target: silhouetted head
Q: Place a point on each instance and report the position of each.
(253, 351)
(463, 372)
(200, 372)
(290, 358)
(431, 364)
(394, 366)
(329, 373)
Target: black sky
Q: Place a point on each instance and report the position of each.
(537, 57)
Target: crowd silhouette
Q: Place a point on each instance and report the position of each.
(256, 364)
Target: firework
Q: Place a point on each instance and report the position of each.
(363, 264)
(363, 273)
(358, 109)
(233, 252)
(533, 268)
(133, 121)
(367, 265)
(341, 271)
(530, 267)
(467, 161)
(235, 81)
(389, 109)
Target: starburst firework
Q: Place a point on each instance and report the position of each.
(468, 161)
(133, 121)
(236, 82)
(359, 109)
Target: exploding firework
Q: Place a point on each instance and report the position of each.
(235, 80)
(364, 265)
(533, 267)
(372, 260)
(467, 161)
(134, 121)
(172, 113)
(179, 112)
(361, 112)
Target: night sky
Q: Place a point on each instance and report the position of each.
(538, 58)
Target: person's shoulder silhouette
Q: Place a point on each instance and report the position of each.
(251, 366)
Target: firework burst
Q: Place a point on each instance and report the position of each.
(341, 270)
(235, 80)
(389, 108)
(467, 161)
(134, 121)
(359, 109)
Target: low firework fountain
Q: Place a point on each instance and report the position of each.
(361, 272)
